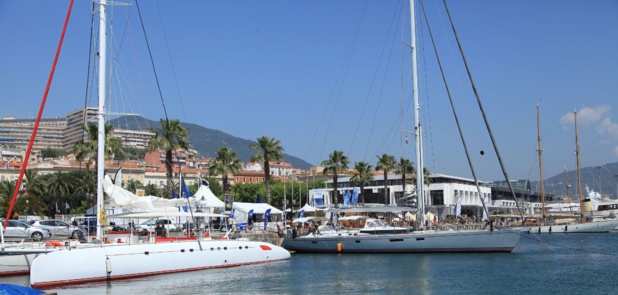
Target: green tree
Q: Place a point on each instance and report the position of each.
(247, 192)
(336, 164)
(386, 163)
(88, 149)
(172, 137)
(361, 176)
(61, 185)
(132, 185)
(267, 149)
(151, 190)
(225, 163)
(402, 168)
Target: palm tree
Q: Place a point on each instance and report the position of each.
(268, 149)
(402, 168)
(88, 149)
(60, 184)
(225, 163)
(171, 137)
(337, 163)
(386, 163)
(151, 190)
(361, 176)
(7, 188)
(132, 185)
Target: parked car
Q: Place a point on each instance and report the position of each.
(152, 224)
(57, 228)
(18, 230)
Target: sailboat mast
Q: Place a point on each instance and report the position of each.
(540, 151)
(568, 193)
(420, 202)
(101, 113)
(579, 173)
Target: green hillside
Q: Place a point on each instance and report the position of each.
(206, 141)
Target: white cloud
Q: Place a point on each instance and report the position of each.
(587, 116)
(616, 151)
(608, 127)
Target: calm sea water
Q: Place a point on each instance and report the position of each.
(548, 264)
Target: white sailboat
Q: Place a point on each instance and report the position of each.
(552, 224)
(121, 261)
(417, 241)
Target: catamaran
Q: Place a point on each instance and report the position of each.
(122, 261)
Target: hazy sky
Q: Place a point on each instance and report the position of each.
(326, 75)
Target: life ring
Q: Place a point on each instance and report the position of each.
(207, 235)
(53, 243)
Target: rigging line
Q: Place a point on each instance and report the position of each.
(339, 77)
(402, 94)
(360, 118)
(38, 119)
(450, 98)
(169, 54)
(151, 60)
(380, 95)
(564, 247)
(85, 111)
(478, 99)
(427, 96)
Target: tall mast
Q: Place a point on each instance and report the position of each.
(579, 174)
(101, 113)
(540, 151)
(420, 192)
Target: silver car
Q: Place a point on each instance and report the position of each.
(57, 228)
(18, 230)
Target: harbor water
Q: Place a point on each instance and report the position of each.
(540, 264)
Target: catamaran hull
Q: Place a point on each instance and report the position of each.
(16, 265)
(589, 227)
(416, 242)
(131, 261)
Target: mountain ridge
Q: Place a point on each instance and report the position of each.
(204, 140)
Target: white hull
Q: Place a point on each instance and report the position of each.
(129, 261)
(421, 242)
(16, 265)
(589, 227)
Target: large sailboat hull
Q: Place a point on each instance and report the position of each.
(139, 260)
(588, 227)
(416, 242)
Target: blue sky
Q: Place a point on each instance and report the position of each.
(326, 75)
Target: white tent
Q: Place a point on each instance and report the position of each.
(309, 210)
(204, 194)
(241, 213)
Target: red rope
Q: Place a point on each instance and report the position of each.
(38, 118)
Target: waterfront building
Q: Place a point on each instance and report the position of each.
(16, 133)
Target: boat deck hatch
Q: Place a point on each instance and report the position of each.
(420, 239)
(396, 240)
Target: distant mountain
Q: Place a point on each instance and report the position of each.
(205, 141)
(601, 179)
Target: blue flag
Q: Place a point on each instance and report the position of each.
(355, 196)
(174, 195)
(266, 217)
(250, 215)
(260, 199)
(302, 214)
(346, 199)
(184, 189)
